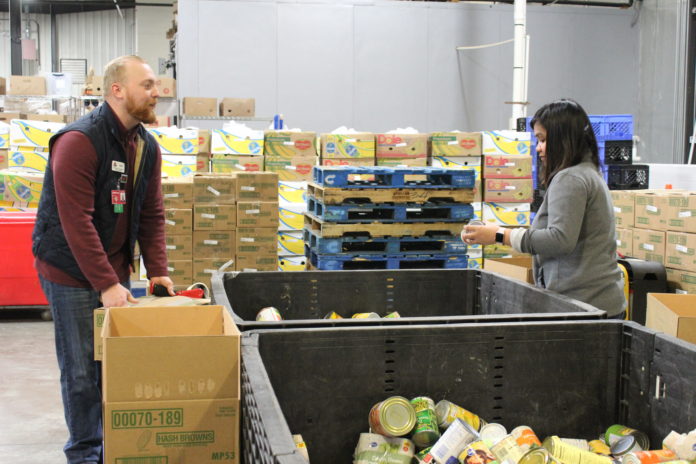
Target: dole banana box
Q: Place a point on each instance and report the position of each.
(31, 135)
(292, 192)
(475, 263)
(20, 186)
(680, 251)
(291, 216)
(4, 135)
(34, 161)
(203, 162)
(179, 165)
(204, 141)
(292, 263)
(287, 144)
(508, 190)
(500, 251)
(290, 243)
(507, 166)
(4, 159)
(348, 162)
(231, 143)
(474, 251)
(457, 162)
(456, 144)
(175, 141)
(354, 146)
(296, 169)
(506, 142)
(237, 163)
(402, 146)
(507, 214)
(420, 161)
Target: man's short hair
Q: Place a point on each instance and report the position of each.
(115, 71)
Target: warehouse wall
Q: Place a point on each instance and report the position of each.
(379, 65)
(151, 25)
(43, 37)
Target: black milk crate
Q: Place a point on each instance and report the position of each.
(628, 176)
(616, 152)
(385, 177)
(420, 296)
(565, 378)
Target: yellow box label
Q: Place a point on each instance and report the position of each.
(230, 143)
(175, 141)
(506, 142)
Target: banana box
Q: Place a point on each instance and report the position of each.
(457, 162)
(204, 141)
(297, 169)
(292, 192)
(287, 144)
(353, 146)
(35, 161)
(292, 263)
(290, 243)
(20, 186)
(508, 190)
(507, 214)
(474, 251)
(402, 146)
(456, 144)
(507, 166)
(420, 161)
(178, 165)
(4, 157)
(478, 210)
(500, 251)
(231, 143)
(291, 216)
(348, 162)
(30, 135)
(175, 141)
(236, 163)
(16, 206)
(4, 136)
(506, 142)
(475, 263)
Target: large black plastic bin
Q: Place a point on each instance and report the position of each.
(570, 378)
(420, 296)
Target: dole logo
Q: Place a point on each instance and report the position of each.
(388, 139)
(302, 144)
(251, 167)
(467, 143)
(304, 168)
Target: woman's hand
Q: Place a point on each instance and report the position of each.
(476, 234)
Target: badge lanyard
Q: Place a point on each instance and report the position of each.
(118, 195)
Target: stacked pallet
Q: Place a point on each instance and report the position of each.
(387, 218)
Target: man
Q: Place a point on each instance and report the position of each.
(101, 193)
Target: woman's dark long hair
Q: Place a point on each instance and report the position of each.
(569, 137)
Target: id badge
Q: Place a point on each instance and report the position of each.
(118, 199)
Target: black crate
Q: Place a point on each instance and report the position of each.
(628, 176)
(538, 200)
(566, 378)
(420, 296)
(618, 152)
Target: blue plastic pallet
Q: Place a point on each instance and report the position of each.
(386, 177)
(382, 212)
(354, 262)
(426, 244)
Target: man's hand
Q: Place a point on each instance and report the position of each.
(166, 282)
(116, 295)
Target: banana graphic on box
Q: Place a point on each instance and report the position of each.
(230, 143)
(35, 161)
(291, 216)
(178, 165)
(4, 136)
(175, 141)
(506, 214)
(21, 186)
(32, 134)
(290, 243)
(292, 263)
(292, 192)
(506, 142)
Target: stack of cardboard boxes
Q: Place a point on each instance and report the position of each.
(177, 194)
(290, 154)
(227, 107)
(236, 149)
(179, 149)
(402, 150)
(292, 204)
(347, 149)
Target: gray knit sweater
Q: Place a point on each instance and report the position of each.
(573, 241)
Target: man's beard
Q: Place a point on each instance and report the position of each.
(142, 113)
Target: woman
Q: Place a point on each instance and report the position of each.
(572, 236)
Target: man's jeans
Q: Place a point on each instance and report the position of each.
(80, 375)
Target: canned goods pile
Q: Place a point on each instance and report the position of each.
(272, 314)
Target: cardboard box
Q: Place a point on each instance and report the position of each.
(475, 263)
(624, 207)
(507, 214)
(348, 162)
(160, 121)
(351, 146)
(401, 146)
(258, 214)
(59, 118)
(214, 244)
(478, 190)
(7, 117)
(204, 268)
(178, 221)
(20, 187)
(204, 141)
(236, 142)
(166, 86)
(195, 431)
(203, 162)
(181, 272)
(257, 186)
(237, 163)
(681, 214)
(257, 262)
(179, 165)
(197, 106)
(3, 159)
(289, 144)
(508, 190)
(256, 241)
(420, 161)
(290, 243)
(177, 192)
(214, 217)
(680, 281)
(94, 85)
(680, 251)
(624, 241)
(292, 192)
(672, 314)
(501, 251)
(649, 245)
(179, 247)
(3, 86)
(506, 142)
(456, 144)
(27, 85)
(291, 216)
(457, 162)
(175, 141)
(30, 135)
(296, 169)
(516, 268)
(651, 210)
(238, 107)
(214, 189)
(507, 166)
(292, 263)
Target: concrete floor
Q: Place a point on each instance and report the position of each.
(32, 426)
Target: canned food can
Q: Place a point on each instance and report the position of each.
(649, 457)
(393, 315)
(423, 456)
(333, 315)
(525, 437)
(507, 451)
(569, 454)
(477, 453)
(492, 434)
(447, 412)
(301, 446)
(599, 447)
(269, 314)
(457, 436)
(365, 316)
(426, 431)
(393, 417)
(617, 431)
(536, 455)
(625, 444)
(373, 448)
(577, 442)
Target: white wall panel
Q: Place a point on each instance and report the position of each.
(43, 42)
